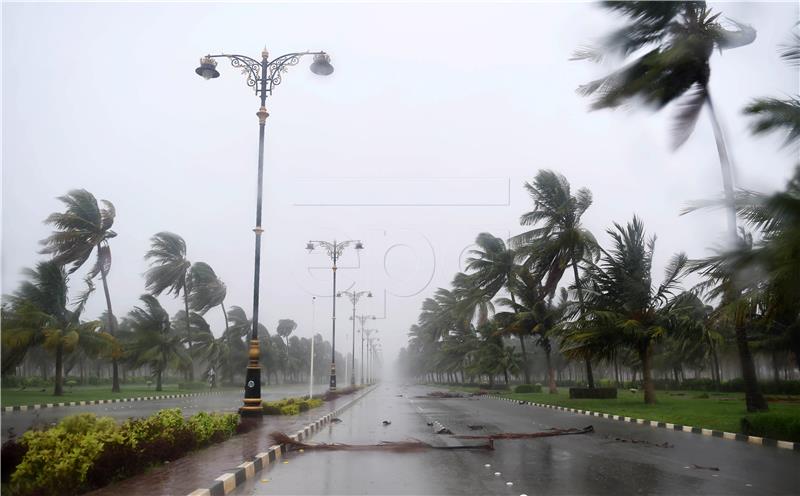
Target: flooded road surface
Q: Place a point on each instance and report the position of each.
(607, 461)
(228, 401)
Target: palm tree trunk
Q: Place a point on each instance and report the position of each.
(158, 381)
(188, 331)
(646, 356)
(525, 370)
(112, 331)
(589, 375)
(754, 398)
(551, 380)
(58, 390)
(775, 369)
(225, 314)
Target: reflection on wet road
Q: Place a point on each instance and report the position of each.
(598, 463)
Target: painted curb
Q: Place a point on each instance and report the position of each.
(229, 481)
(760, 441)
(24, 408)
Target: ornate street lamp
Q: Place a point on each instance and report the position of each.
(262, 76)
(354, 297)
(334, 251)
(364, 334)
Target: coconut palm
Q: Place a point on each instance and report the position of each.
(81, 230)
(557, 240)
(206, 290)
(169, 271)
(285, 328)
(680, 36)
(38, 315)
(156, 342)
(622, 300)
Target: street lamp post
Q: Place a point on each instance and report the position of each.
(365, 333)
(334, 251)
(313, 329)
(262, 76)
(354, 297)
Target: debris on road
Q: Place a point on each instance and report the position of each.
(441, 395)
(387, 422)
(531, 435)
(398, 446)
(336, 420)
(701, 467)
(475, 427)
(665, 444)
(444, 430)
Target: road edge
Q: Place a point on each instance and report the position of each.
(24, 408)
(229, 481)
(758, 441)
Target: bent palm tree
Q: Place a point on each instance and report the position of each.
(155, 341)
(206, 290)
(82, 229)
(558, 240)
(169, 271)
(681, 37)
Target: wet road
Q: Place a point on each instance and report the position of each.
(228, 401)
(595, 463)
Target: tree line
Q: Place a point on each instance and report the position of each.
(43, 327)
(615, 312)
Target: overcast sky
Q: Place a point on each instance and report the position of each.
(422, 138)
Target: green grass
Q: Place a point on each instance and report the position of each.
(720, 411)
(33, 396)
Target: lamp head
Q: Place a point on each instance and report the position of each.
(359, 245)
(338, 295)
(208, 68)
(369, 294)
(310, 246)
(322, 65)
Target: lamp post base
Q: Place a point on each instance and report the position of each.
(333, 377)
(252, 393)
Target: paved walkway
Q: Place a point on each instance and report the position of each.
(200, 468)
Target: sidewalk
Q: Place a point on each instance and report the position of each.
(200, 468)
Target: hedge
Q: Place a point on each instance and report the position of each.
(290, 406)
(528, 388)
(85, 452)
(773, 425)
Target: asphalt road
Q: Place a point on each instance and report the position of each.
(597, 463)
(229, 401)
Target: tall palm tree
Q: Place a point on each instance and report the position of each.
(492, 267)
(82, 229)
(156, 341)
(39, 316)
(206, 290)
(622, 299)
(557, 240)
(285, 328)
(169, 271)
(680, 36)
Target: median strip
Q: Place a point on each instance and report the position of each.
(23, 408)
(760, 441)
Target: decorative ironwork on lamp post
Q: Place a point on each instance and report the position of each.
(334, 251)
(354, 296)
(262, 76)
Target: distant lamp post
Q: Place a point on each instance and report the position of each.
(334, 251)
(262, 76)
(354, 297)
(365, 333)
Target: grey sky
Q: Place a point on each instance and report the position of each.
(442, 111)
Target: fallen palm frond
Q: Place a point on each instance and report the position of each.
(530, 435)
(396, 446)
(665, 444)
(442, 394)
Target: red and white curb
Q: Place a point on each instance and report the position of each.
(761, 441)
(23, 408)
(229, 481)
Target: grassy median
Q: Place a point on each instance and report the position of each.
(719, 411)
(34, 396)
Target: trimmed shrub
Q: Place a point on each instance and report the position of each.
(528, 388)
(779, 426)
(290, 406)
(596, 393)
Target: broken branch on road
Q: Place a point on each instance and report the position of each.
(530, 435)
(397, 446)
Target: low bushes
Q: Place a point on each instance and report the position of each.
(290, 406)
(528, 388)
(84, 452)
(772, 425)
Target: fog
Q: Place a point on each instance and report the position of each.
(422, 138)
